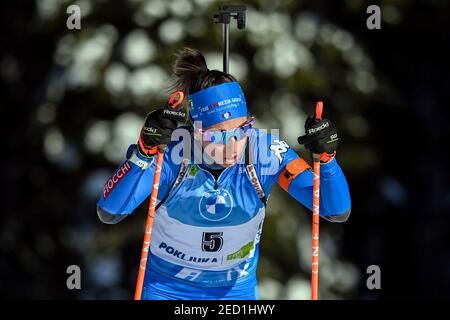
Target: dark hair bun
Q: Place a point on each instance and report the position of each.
(190, 73)
(189, 66)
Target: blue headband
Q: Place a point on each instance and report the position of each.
(217, 104)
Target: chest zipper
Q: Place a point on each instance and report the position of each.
(216, 181)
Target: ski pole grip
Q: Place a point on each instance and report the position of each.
(173, 109)
(176, 98)
(319, 110)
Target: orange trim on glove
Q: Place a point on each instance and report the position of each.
(148, 151)
(292, 170)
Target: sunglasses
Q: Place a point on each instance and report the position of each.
(223, 136)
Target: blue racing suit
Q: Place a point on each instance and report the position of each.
(206, 231)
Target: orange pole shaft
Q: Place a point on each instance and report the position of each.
(316, 217)
(148, 227)
(175, 99)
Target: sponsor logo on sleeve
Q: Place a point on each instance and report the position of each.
(279, 148)
(115, 179)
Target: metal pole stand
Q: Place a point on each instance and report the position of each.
(224, 16)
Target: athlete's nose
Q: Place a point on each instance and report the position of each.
(232, 146)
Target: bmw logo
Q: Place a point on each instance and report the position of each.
(215, 205)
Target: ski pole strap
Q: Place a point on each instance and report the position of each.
(254, 176)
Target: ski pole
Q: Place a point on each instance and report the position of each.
(224, 16)
(316, 216)
(151, 208)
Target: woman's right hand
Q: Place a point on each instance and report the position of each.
(157, 130)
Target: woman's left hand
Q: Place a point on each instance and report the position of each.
(321, 136)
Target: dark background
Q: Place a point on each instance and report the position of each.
(72, 102)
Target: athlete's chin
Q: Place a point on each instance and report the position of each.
(225, 165)
(228, 163)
